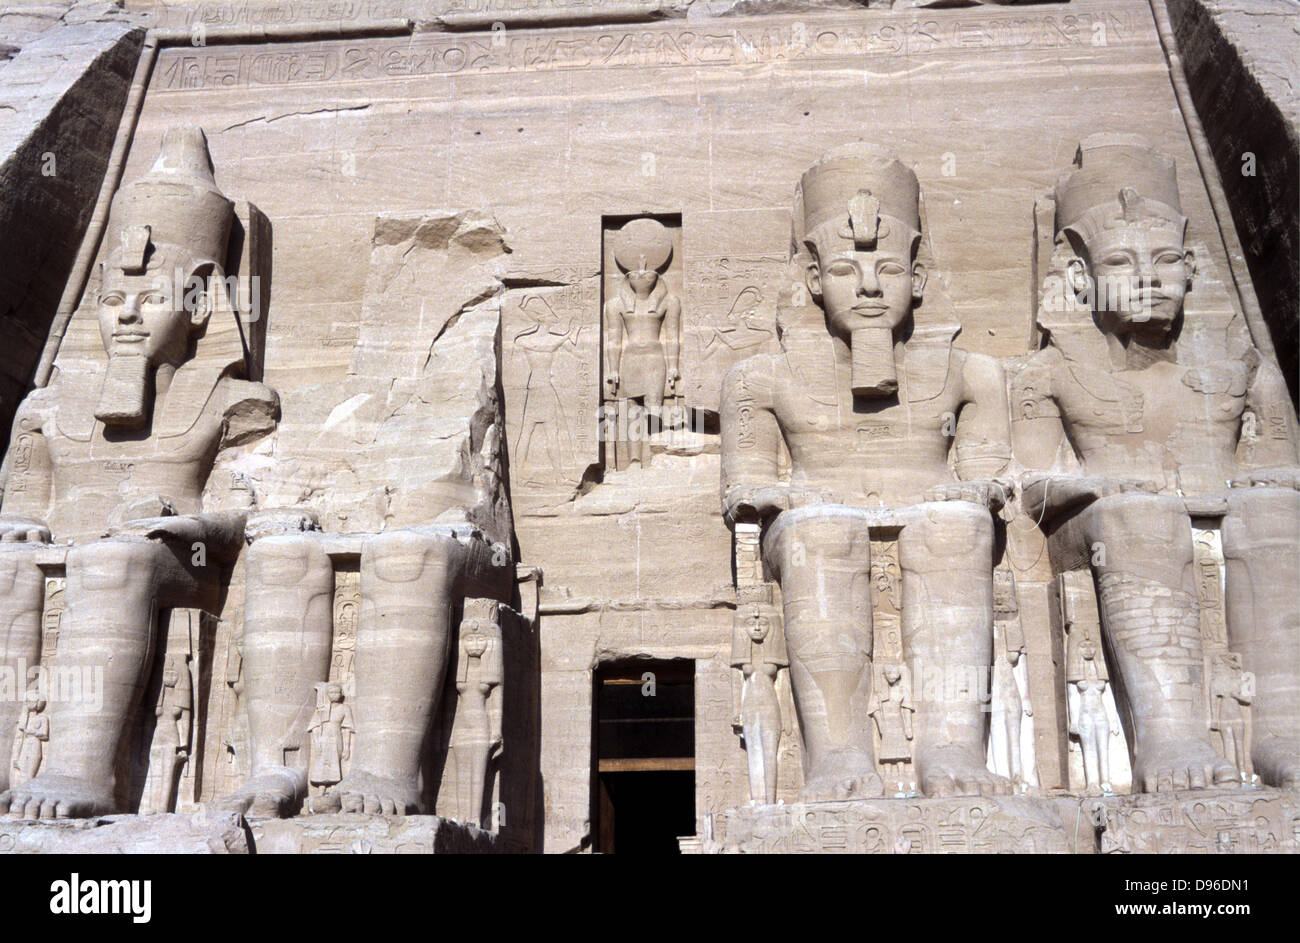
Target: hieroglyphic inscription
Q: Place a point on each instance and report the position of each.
(784, 39)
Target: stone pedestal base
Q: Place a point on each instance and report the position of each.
(1203, 821)
(213, 833)
(353, 833)
(892, 826)
(228, 833)
(1200, 821)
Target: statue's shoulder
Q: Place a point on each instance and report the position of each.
(37, 408)
(250, 410)
(759, 373)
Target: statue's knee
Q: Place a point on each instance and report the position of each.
(402, 556)
(1260, 517)
(955, 530)
(19, 574)
(1122, 518)
(286, 561)
(112, 564)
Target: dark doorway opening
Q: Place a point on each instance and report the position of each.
(644, 789)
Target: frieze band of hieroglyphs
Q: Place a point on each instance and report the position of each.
(790, 39)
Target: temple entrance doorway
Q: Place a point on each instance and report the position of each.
(643, 796)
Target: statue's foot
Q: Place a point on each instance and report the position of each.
(274, 794)
(955, 771)
(377, 795)
(52, 796)
(1182, 764)
(842, 774)
(1277, 761)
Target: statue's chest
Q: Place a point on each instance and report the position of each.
(1153, 404)
(116, 452)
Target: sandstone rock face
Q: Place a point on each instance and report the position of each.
(785, 426)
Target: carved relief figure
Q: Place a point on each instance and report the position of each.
(1156, 437)
(1092, 717)
(543, 426)
(170, 750)
(1231, 693)
(642, 340)
(133, 464)
(865, 413)
(33, 734)
(1012, 712)
(758, 650)
(476, 734)
(892, 712)
(331, 735)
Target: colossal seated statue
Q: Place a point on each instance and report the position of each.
(120, 484)
(1151, 435)
(868, 414)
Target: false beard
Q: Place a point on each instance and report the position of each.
(123, 400)
(874, 373)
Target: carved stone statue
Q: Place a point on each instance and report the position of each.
(132, 463)
(892, 712)
(476, 734)
(866, 412)
(1155, 437)
(1231, 693)
(33, 734)
(642, 341)
(1092, 716)
(758, 650)
(1010, 706)
(173, 733)
(332, 728)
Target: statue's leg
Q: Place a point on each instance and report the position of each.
(822, 559)
(945, 551)
(1261, 547)
(1141, 547)
(22, 596)
(410, 583)
(1090, 742)
(761, 717)
(114, 591)
(288, 630)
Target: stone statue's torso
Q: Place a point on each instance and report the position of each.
(868, 453)
(1170, 423)
(100, 474)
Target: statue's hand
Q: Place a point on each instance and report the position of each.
(759, 501)
(186, 527)
(1074, 730)
(992, 493)
(18, 528)
(279, 522)
(1277, 477)
(810, 497)
(672, 383)
(1115, 730)
(1045, 495)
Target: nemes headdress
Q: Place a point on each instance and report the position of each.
(1117, 179)
(853, 195)
(175, 206)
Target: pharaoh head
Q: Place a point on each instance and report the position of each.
(162, 278)
(892, 674)
(857, 215)
(641, 249)
(756, 611)
(1119, 211)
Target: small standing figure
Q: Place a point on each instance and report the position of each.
(331, 735)
(1232, 691)
(476, 733)
(33, 734)
(171, 740)
(643, 338)
(892, 711)
(758, 650)
(1092, 715)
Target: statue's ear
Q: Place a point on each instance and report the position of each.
(1076, 276)
(813, 278)
(204, 293)
(919, 276)
(1189, 260)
